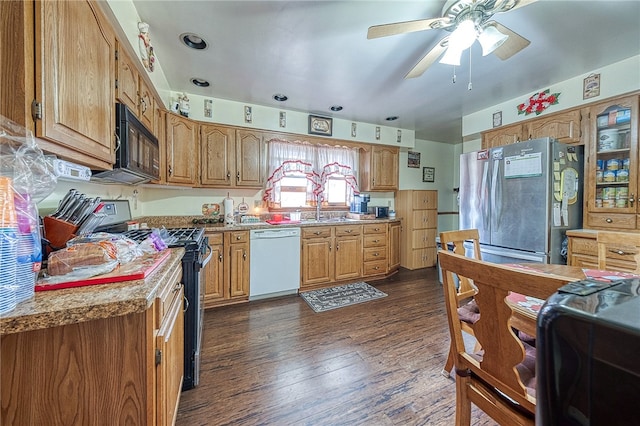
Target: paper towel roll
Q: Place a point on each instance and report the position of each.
(228, 211)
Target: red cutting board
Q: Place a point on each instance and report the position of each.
(138, 269)
(282, 222)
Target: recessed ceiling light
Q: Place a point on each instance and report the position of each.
(336, 108)
(193, 41)
(391, 118)
(280, 97)
(200, 82)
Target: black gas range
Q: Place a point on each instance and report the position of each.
(197, 254)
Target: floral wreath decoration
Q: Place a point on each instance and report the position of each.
(538, 103)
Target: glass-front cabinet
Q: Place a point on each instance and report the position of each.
(613, 165)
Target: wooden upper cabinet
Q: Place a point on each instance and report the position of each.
(231, 157)
(379, 168)
(563, 126)
(250, 158)
(74, 73)
(502, 136)
(132, 90)
(217, 155)
(181, 150)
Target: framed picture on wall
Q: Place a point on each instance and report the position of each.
(320, 125)
(413, 160)
(428, 174)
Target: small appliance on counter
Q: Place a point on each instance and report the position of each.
(360, 203)
(380, 212)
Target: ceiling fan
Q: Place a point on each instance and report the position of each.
(467, 21)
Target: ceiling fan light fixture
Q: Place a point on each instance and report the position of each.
(490, 39)
(451, 57)
(463, 36)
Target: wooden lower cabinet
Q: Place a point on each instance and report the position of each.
(124, 369)
(227, 274)
(419, 212)
(376, 249)
(395, 230)
(583, 252)
(330, 254)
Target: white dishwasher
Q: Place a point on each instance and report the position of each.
(275, 262)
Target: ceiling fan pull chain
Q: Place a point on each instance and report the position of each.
(470, 86)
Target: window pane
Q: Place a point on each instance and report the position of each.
(336, 190)
(293, 191)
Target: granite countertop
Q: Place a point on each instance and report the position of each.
(72, 305)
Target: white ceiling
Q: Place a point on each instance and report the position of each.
(317, 53)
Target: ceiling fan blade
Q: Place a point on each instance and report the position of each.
(428, 59)
(522, 3)
(407, 27)
(512, 45)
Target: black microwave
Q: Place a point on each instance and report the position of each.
(137, 151)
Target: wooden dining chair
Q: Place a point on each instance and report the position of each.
(500, 379)
(468, 312)
(618, 251)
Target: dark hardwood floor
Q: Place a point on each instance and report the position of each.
(277, 362)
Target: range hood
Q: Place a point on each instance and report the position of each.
(122, 176)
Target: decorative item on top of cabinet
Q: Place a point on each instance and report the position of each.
(227, 275)
(379, 168)
(231, 157)
(612, 177)
(419, 212)
(73, 108)
(181, 149)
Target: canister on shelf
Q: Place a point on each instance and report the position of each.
(622, 192)
(622, 175)
(599, 176)
(609, 176)
(613, 164)
(599, 164)
(609, 204)
(598, 202)
(608, 192)
(625, 164)
(621, 203)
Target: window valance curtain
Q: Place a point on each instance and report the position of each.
(317, 163)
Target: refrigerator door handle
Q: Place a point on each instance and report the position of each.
(484, 196)
(496, 196)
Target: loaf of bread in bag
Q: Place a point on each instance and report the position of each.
(63, 261)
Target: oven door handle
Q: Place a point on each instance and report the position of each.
(204, 262)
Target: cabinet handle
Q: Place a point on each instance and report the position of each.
(144, 105)
(238, 176)
(170, 170)
(220, 257)
(632, 199)
(329, 247)
(337, 246)
(244, 255)
(376, 254)
(376, 241)
(177, 287)
(376, 268)
(377, 229)
(228, 175)
(608, 220)
(186, 303)
(348, 231)
(317, 232)
(620, 252)
(238, 237)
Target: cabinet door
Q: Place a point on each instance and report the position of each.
(75, 69)
(214, 288)
(170, 362)
(348, 257)
(146, 107)
(422, 219)
(127, 85)
(394, 246)
(384, 168)
(317, 261)
(217, 155)
(503, 136)
(564, 127)
(424, 200)
(612, 164)
(239, 270)
(249, 159)
(182, 150)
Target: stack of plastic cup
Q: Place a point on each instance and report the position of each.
(8, 246)
(29, 251)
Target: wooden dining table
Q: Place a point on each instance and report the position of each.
(525, 308)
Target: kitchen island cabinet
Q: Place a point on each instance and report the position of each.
(99, 354)
(227, 275)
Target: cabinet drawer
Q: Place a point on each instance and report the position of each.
(215, 238)
(345, 230)
(239, 237)
(377, 228)
(375, 253)
(316, 232)
(424, 219)
(375, 240)
(425, 200)
(375, 268)
(586, 246)
(422, 238)
(613, 221)
(423, 258)
(583, 261)
(165, 297)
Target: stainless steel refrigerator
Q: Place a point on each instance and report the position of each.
(522, 198)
